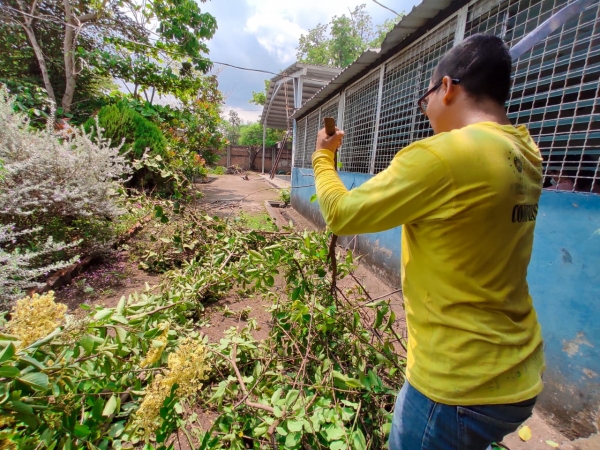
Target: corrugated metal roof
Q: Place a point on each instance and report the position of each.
(280, 103)
(410, 23)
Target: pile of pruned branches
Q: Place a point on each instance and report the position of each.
(325, 377)
(234, 170)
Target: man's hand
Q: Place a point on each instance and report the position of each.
(331, 143)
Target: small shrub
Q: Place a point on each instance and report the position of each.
(52, 190)
(218, 170)
(125, 126)
(147, 136)
(44, 178)
(284, 196)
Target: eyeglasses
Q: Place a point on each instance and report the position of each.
(424, 101)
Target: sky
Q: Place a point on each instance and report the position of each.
(264, 34)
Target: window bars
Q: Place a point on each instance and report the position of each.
(359, 124)
(406, 78)
(312, 128)
(555, 93)
(300, 144)
(555, 86)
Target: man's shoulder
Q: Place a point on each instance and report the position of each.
(475, 137)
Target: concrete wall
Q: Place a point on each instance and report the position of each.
(564, 278)
(240, 155)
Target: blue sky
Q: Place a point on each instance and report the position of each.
(264, 34)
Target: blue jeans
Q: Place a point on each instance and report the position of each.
(422, 424)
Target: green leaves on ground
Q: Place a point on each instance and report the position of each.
(325, 377)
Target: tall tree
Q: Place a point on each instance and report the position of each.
(130, 40)
(20, 70)
(231, 127)
(343, 39)
(252, 134)
(313, 47)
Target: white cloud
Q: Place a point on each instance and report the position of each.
(278, 24)
(278, 35)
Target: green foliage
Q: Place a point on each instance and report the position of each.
(122, 124)
(115, 40)
(326, 376)
(19, 70)
(231, 128)
(383, 29)
(147, 137)
(253, 135)
(191, 133)
(218, 170)
(340, 42)
(259, 98)
(285, 196)
(30, 99)
(192, 126)
(260, 221)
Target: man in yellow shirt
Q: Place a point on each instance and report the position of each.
(468, 200)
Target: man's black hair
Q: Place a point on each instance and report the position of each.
(482, 63)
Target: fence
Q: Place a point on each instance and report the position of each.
(250, 158)
(555, 93)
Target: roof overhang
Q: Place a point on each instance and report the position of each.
(292, 88)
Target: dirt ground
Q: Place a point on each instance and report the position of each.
(105, 283)
(228, 196)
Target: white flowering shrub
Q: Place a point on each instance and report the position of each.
(45, 178)
(52, 189)
(18, 270)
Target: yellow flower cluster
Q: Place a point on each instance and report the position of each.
(155, 352)
(187, 368)
(33, 318)
(7, 444)
(6, 420)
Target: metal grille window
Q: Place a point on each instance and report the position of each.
(330, 110)
(311, 138)
(555, 88)
(300, 144)
(406, 78)
(556, 93)
(359, 124)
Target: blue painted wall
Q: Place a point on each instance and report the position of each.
(564, 279)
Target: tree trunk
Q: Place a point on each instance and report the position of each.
(41, 60)
(69, 57)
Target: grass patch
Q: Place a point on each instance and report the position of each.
(257, 221)
(218, 170)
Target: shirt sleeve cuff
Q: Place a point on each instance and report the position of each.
(324, 153)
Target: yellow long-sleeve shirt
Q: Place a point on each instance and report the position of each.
(468, 201)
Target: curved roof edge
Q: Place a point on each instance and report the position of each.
(419, 16)
(292, 87)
